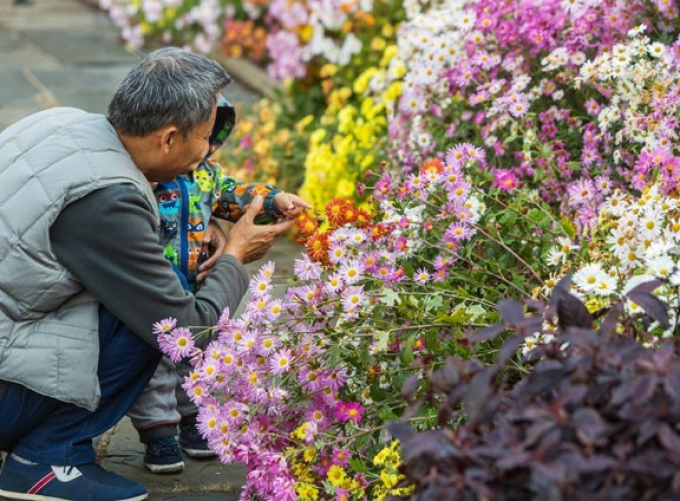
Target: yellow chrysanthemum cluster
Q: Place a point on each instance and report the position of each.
(255, 150)
(301, 471)
(350, 139)
(390, 460)
(335, 164)
(301, 431)
(306, 483)
(306, 491)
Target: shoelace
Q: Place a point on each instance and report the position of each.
(190, 432)
(165, 444)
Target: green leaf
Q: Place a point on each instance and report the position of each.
(386, 414)
(358, 466)
(508, 218)
(538, 216)
(406, 354)
(433, 302)
(382, 339)
(389, 297)
(476, 312)
(568, 227)
(460, 314)
(334, 355)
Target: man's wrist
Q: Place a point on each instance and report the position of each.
(235, 254)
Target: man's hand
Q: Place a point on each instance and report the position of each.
(249, 242)
(214, 242)
(291, 206)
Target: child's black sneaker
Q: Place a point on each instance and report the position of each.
(164, 456)
(193, 443)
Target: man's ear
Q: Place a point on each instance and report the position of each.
(167, 136)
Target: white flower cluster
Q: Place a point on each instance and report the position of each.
(641, 243)
(641, 74)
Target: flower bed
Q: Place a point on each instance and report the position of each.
(469, 152)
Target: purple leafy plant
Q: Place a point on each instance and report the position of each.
(596, 416)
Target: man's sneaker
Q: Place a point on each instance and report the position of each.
(164, 456)
(65, 483)
(193, 444)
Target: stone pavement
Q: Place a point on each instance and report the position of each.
(65, 52)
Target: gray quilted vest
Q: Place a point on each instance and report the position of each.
(48, 322)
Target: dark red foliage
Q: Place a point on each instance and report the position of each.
(597, 417)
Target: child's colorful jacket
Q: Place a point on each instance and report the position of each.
(187, 204)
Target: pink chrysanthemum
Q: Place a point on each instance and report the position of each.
(353, 297)
(505, 180)
(341, 457)
(281, 361)
(349, 411)
(421, 276)
(177, 344)
(260, 285)
(164, 326)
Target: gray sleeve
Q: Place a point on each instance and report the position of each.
(108, 241)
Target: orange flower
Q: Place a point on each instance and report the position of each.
(317, 247)
(307, 224)
(336, 211)
(380, 230)
(431, 165)
(363, 219)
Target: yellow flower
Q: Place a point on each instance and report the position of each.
(379, 493)
(282, 137)
(392, 93)
(300, 431)
(300, 126)
(380, 458)
(388, 479)
(345, 188)
(317, 136)
(378, 44)
(170, 13)
(361, 83)
(593, 304)
(244, 126)
(305, 33)
(262, 147)
(328, 70)
(390, 51)
(307, 492)
(266, 114)
(308, 455)
(387, 31)
(145, 27)
(336, 475)
(367, 162)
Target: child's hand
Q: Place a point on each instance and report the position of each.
(214, 242)
(291, 206)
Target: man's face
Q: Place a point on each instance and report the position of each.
(182, 155)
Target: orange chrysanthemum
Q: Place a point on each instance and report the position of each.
(432, 165)
(307, 224)
(363, 219)
(335, 210)
(317, 247)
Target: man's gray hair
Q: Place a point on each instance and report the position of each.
(169, 86)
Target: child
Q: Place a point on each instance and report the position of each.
(186, 206)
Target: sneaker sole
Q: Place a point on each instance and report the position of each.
(199, 453)
(37, 497)
(165, 468)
